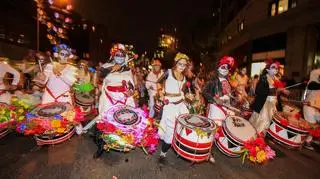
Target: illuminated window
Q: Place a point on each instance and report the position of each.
(283, 6)
(257, 67)
(273, 9)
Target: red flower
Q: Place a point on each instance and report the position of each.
(298, 116)
(106, 127)
(188, 84)
(12, 108)
(284, 122)
(279, 84)
(260, 142)
(166, 102)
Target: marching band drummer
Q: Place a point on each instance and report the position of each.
(6, 68)
(311, 110)
(151, 84)
(217, 91)
(174, 99)
(264, 105)
(59, 77)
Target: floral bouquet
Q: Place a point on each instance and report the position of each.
(51, 126)
(257, 151)
(14, 112)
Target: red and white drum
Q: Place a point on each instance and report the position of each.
(193, 137)
(235, 131)
(291, 132)
(85, 102)
(47, 111)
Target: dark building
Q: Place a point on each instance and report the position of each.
(287, 30)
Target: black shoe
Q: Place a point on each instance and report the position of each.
(308, 146)
(99, 152)
(163, 160)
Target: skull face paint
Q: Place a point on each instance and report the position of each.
(181, 65)
(273, 70)
(223, 70)
(119, 58)
(244, 71)
(63, 56)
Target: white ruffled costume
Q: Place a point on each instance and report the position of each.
(115, 84)
(171, 111)
(58, 88)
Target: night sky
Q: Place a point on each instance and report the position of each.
(138, 22)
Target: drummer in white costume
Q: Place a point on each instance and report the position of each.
(151, 84)
(59, 77)
(218, 90)
(311, 110)
(173, 97)
(6, 68)
(118, 84)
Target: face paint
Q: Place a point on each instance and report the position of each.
(119, 58)
(273, 70)
(63, 54)
(223, 70)
(181, 65)
(156, 68)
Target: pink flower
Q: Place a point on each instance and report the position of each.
(271, 154)
(166, 102)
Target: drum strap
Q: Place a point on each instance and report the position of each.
(55, 98)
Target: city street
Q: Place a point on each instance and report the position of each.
(73, 159)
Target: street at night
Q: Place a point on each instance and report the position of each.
(159, 89)
(73, 159)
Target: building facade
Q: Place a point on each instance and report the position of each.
(287, 30)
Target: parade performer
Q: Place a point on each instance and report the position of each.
(217, 91)
(118, 84)
(5, 96)
(60, 77)
(174, 98)
(311, 110)
(84, 82)
(242, 82)
(151, 84)
(264, 105)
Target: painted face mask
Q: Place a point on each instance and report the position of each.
(119, 58)
(273, 70)
(223, 70)
(181, 65)
(64, 55)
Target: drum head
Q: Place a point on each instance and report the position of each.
(84, 98)
(51, 109)
(196, 121)
(239, 128)
(126, 116)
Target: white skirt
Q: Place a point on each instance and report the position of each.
(168, 120)
(261, 121)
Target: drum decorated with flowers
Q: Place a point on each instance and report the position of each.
(193, 137)
(235, 131)
(51, 123)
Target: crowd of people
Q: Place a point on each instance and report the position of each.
(165, 93)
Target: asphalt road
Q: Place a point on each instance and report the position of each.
(20, 158)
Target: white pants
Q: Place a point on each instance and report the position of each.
(218, 114)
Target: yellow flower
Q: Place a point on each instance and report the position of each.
(252, 159)
(14, 99)
(60, 130)
(2, 112)
(261, 156)
(20, 118)
(20, 110)
(118, 132)
(55, 123)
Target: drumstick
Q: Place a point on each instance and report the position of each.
(294, 85)
(40, 66)
(231, 108)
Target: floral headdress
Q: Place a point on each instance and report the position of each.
(226, 60)
(180, 56)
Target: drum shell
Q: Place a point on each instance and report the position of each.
(191, 146)
(229, 144)
(290, 135)
(84, 106)
(44, 140)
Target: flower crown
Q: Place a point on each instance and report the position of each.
(180, 56)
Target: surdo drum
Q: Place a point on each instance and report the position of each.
(234, 132)
(193, 137)
(48, 111)
(85, 102)
(293, 133)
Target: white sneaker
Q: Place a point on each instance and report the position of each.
(212, 160)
